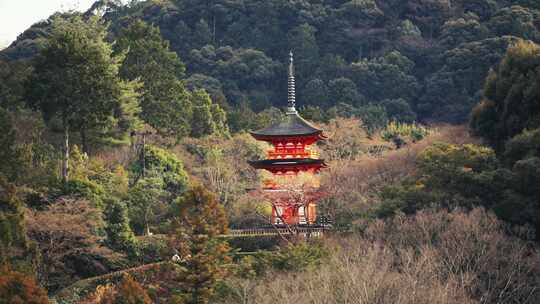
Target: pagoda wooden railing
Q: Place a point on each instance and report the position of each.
(292, 153)
(304, 231)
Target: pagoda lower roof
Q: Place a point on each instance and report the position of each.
(288, 164)
(293, 125)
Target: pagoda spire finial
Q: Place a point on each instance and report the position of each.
(291, 109)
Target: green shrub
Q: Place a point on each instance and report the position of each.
(86, 189)
(161, 163)
(404, 133)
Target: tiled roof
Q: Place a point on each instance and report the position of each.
(292, 125)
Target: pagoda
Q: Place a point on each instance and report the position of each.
(290, 159)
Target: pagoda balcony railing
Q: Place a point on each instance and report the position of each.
(292, 153)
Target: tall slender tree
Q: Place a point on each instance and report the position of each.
(201, 219)
(76, 83)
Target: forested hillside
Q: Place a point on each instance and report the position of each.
(124, 152)
(384, 58)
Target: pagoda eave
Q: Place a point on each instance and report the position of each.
(309, 138)
(284, 166)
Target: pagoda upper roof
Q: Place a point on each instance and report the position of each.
(292, 125)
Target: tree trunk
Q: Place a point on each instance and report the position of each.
(65, 160)
(84, 141)
(147, 226)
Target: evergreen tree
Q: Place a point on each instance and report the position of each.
(165, 102)
(208, 118)
(119, 233)
(13, 240)
(76, 84)
(511, 96)
(201, 220)
(344, 90)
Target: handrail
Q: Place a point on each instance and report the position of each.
(274, 231)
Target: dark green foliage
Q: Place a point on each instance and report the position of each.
(462, 30)
(516, 21)
(86, 189)
(166, 166)
(344, 90)
(521, 146)
(150, 198)
(12, 76)
(165, 103)
(10, 153)
(374, 117)
(449, 176)
(301, 41)
(237, 51)
(467, 176)
(451, 92)
(75, 83)
(398, 110)
(119, 233)
(13, 240)
(512, 95)
(91, 97)
(316, 91)
(208, 118)
(386, 77)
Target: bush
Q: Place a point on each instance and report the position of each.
(166, 165)
(85, 189)
(18, 288)
(403, 133)
(128, 291)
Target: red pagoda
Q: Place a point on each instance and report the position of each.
(290, 158)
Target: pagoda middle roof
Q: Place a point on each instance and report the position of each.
(292, 125)
(286, 162)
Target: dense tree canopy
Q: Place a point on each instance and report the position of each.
(76, 84)
(433, 54)
(165, 102)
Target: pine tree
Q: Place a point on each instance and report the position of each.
(201, 220)
(165, 102)
(208, 118)
(119, 233)
(76, 83)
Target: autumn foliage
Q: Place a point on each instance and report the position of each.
(19, 288)
(128, 291)
(200, 222)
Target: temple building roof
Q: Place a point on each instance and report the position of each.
(289, 164)
(292, 125)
